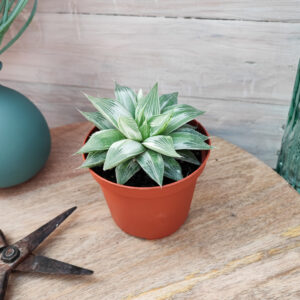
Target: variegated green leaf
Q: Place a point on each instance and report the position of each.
(172, 168)
(101, 140)
(121, 151)
(140, 95)
(182, 114)
(148, 106)
(168, 100)
(145, 130)
(153, 164)
(127, 97)
(161, 144)
(188, 141)
(129, 128)
(188, 156)
(97, 119)
(192, 131)
(188, 126)
(112, 110)
(94, 159)
(159, 123)
(126, 170)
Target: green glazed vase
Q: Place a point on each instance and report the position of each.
(24, 138)
(288, 165)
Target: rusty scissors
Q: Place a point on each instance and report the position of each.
(19, 256)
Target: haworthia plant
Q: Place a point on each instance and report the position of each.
(142, 132)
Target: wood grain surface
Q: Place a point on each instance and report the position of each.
(241, 240)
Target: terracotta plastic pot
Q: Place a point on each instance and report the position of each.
(151, 212)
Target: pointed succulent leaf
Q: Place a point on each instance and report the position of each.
(94, 159)
(111, 109)
(188, 156)
(126, 170)
(188, 126)
(168, 100)
(182, 114)
(159, 123)
(172, 168)
(148, 106)
(140, 95)
(152, 163)
(186, 140)
(161, 144)
(192, 131)
(129, 128)
(127, 97)
(145, 130)
(101, 140)
(97, 119)
(121, 151)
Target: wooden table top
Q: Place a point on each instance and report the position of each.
(241, 240)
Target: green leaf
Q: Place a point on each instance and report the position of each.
(129, 128)
(172, 168)
(121, 151)
(140, 95)
(101, 140)
(152, 163)
(188, 156)
(127, 97)
(145, 130)
(148, 106)
(192, 131)
(168, 100)
(126, 170)
(186, 140)
(159, 123)
(94, 159)
(161, 144)
(112, 110)
(182, 114)
(97, 119)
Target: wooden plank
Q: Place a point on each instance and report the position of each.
(198, 58)
(265, 10)
(241, 240)
(256, 127)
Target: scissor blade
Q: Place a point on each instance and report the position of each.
(34, 239)
(42, 264)
(3, 242)
(3, 284)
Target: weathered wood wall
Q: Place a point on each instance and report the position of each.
(235, 59)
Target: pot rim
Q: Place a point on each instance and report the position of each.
(166, 186)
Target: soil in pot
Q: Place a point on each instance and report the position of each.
(141, 179)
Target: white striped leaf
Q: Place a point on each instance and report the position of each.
(129, 128)
(127, 97)
(94, 159)
(97, 119)
(148, 106)
(145, 130)
(126, 170)
(188, 141)
(121, 151)
(172, 168)
(140, 95)
(152, 163)
(101, 140)
(159, 123)
(111, 109)
(192, 131)
(161, 144)
(168, 100)
(182, 114)
(188, 156)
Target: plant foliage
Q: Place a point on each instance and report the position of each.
(142, 132)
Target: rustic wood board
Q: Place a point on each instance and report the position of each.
(241, 240)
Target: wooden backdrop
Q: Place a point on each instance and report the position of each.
(234, 59)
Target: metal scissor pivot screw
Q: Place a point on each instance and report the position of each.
(10, 254)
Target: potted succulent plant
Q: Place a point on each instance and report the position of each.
(146, 152)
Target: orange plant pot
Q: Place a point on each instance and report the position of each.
(152, 212)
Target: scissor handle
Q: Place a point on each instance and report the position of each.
(3, 283)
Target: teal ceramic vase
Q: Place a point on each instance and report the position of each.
(24, 138)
